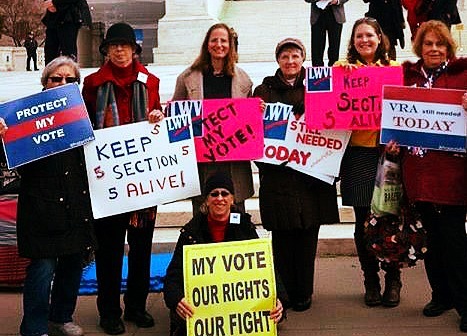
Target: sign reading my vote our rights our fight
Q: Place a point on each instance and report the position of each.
(421, 117)
(338, 98)
(231, 287)
(288, 140)
(224, 129)
(135, 166)
(45, 123)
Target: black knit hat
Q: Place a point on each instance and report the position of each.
(218, 180)
(119, 33)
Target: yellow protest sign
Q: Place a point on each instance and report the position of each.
(232, 287)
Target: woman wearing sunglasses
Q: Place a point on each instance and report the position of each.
(54, 227)
(211, 224)
(368, 46)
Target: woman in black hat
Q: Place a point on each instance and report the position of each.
(213, 224)
(122, 91)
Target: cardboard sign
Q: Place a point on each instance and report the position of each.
(224, 129)
(288, 141)
(421, 117)
(135, 166)
(337, 98)
(44, 124)
(231, 287)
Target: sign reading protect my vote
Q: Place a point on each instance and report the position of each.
(224, 129)
(45, 123)
(231, 287)
(421, 117)
(288, 141)
(337, 98)
(136, 166)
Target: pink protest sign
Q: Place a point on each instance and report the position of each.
(337, 98)
(224, 129)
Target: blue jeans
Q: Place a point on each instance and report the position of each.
(42, 301)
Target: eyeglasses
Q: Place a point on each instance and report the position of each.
(223, 193)
(57, 79)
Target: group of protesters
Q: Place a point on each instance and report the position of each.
(57, 232)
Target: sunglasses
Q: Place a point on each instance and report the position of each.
(223, 193)
(58, 79)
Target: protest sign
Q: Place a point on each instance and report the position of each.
(421, 117)
(287, 140)
(135, 166)
(45, 123)
(337, 98)
(231, 287)
(224, 129)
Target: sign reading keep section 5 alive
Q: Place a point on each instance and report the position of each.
(136, 166)
(340, 98)
(45, 123)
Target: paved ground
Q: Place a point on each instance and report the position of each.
(337, 308)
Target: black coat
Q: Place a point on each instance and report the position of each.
(288, 199)
(196, 231)
(54, 215)
(68, 12)
(390, 17)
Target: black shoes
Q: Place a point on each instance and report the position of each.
(302, 305)
(372, 296)
(112, 326)
(392, 293)
(463, 324)
(141, 319)
(433, 309)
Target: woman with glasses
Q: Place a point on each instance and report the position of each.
(54, 227)
(121, 92)
(435, 181)
(211, 224)
(368, 46)
(214, 74)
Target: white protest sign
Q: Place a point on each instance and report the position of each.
(140, 165)
(421, 117)
(288, 141)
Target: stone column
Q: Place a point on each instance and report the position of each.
(181, 31)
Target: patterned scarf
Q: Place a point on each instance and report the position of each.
(106, 103)
(432, 74)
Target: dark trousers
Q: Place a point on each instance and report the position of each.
(110, 233)
(294, 258)
(61, 40)
(33, 57)
(446, 257)
(326, 23)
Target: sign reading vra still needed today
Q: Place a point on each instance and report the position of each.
(45, 123)
(231, 287)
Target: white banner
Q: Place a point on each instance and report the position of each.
(288, 141)
(136, 166)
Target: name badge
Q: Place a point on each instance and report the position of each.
(234, 218)
(142, 77)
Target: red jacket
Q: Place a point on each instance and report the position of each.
(122, 80)
(438, 177)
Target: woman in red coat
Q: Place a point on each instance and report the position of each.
(436, 180)
(122, 91)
